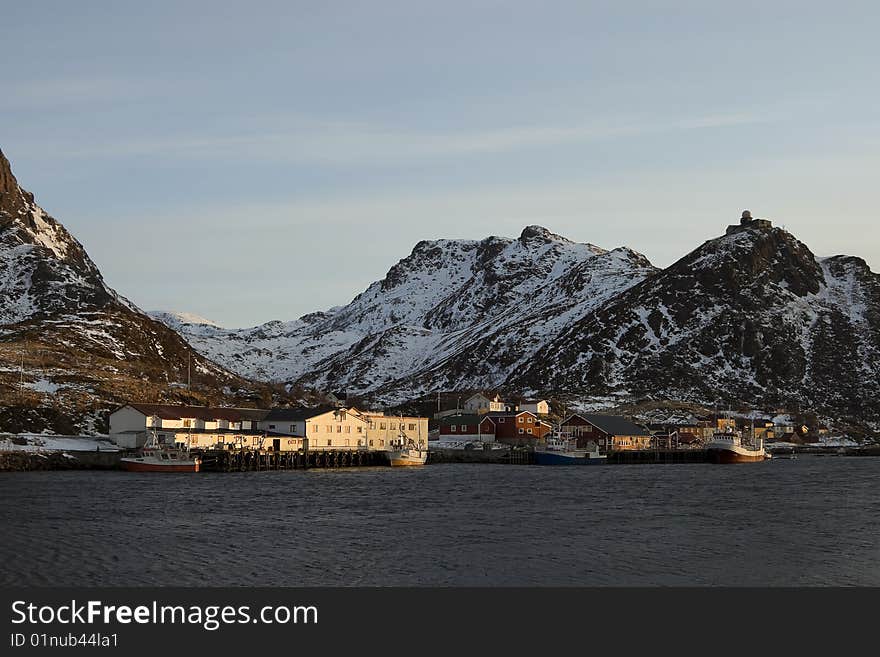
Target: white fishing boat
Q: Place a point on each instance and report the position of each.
(405, 451)
(564, 451)
(155, 457)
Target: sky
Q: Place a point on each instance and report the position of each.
(254, 161)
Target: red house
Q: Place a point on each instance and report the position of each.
(515, 427)
(467, 427)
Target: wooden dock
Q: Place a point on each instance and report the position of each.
(506, 456)
(640, 456)
(246, 460)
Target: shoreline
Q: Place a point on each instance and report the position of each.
(28, 461)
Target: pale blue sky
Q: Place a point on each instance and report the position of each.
(260, 160)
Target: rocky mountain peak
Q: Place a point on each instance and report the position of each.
(750, 256)
(12, 198)
(7, 180)
(540, 234)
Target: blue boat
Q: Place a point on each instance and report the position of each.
(562, 452)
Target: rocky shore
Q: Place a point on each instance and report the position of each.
(22, 461)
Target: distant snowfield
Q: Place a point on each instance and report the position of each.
(48, 443)
(178, 318)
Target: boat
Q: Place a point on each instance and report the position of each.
(728, 447)
(406, 452)
(155, 457)
(561, 451)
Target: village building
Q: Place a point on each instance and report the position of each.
(132, 424)
(325, 427)
(487, 403)
(515, 427)
(536, 406)
(279, 429)
(465, 427)
(608, 432)
(386, 430)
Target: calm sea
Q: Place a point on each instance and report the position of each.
(809, 521)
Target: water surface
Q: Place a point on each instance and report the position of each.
(809, 521)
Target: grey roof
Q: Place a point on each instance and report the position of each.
(614, 425)
(252, 413)
(296, 414)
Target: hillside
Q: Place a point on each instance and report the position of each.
(70, 347)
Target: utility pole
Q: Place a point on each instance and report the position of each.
(21, 372)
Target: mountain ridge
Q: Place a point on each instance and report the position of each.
(741, 319)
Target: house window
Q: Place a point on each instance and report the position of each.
(529, 420)
(187, 423)
(329, 428)
(452, 428)
(464, 428)
(394, 425)
(338, 428)
(412, 427)
(347, 428)
(529, 431)
(501, 420)
(315, 428)
(520, 430)
(292, 428)
(346, 442)
(359, 429)
(521, 419)
(381, 443)
(381, 425)
(329, 442)
(271, 426)
(371, 443)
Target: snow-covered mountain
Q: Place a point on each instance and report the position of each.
(751, 317)
(71, 347)
(431, 309)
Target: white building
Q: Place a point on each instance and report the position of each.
(322, 428)
(536, 406)
(131, 424)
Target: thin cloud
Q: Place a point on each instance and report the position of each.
(317, 142)
(63, 93)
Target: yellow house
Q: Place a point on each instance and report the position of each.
(326, 428)
(385, 430)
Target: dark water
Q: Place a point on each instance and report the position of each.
(810, 521)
